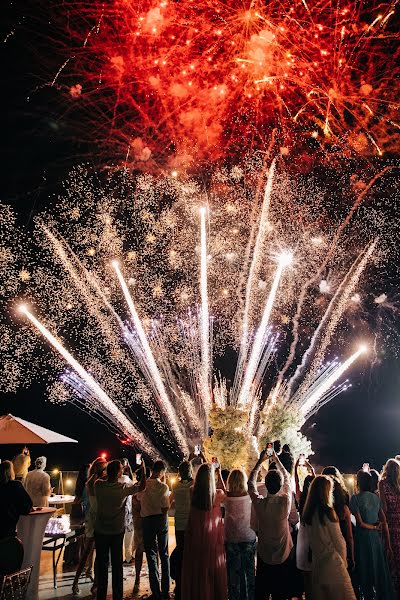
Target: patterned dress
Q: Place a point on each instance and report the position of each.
(392, 498)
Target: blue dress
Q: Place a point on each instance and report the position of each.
(372, 574)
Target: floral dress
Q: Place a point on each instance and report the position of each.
(392, 498)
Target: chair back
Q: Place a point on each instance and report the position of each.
(15, 586)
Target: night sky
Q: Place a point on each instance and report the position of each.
(39, 146)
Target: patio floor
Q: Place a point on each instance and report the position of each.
(65, 577)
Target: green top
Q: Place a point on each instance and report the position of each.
(111, 499)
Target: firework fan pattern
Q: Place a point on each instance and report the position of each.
(140, 284)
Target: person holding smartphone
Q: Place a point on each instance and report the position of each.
(109, 527)
(274, 539)
(204, 575)
(154, 505)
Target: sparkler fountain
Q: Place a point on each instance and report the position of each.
(176, 392)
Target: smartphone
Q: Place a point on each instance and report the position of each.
(270, 448)
(215, 462)
(365, 467)
(138, 459)
(197, 449)
(302, 460)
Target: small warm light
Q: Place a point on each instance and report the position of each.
(317, 241)
(350, 480)
(103, 455)
(363, 348)
(68, 482)
(115, 264)
(23, 309)
(91, 251)
(285, 259)
(174, 173)
(172, 480)
(55, 471)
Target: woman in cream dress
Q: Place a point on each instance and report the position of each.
(330, 579)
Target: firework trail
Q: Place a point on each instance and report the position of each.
(313, 401)
(254, 268)
(204, 317)
(259, 342)
(155, 377)
(335, 313)
(108, 405)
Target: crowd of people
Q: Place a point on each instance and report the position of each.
(283, 532)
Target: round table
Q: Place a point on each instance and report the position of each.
(61, 499)
(30, 530)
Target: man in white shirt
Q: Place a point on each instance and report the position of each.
(37, 483)
(274, 539)
(154, 505)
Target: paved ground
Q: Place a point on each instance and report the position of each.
(65, 577)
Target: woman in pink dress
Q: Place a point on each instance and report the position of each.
(389, 492)
(204, 568)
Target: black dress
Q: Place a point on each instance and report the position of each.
(14, 502)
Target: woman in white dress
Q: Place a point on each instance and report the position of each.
(330, 579)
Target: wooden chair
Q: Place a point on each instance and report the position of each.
(14, 586)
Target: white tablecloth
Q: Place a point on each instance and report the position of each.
(61, 499)
(30, 530)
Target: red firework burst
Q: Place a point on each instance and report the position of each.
(200, 79)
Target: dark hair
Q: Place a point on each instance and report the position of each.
(335, 473)
(277, 446)
(139, 472)
(286, 448)
(286, 458)
(374, 479)
(303, 497)
(113, 469)
(95, 473)
(185, 470)
(159, 466)
(81, 480)
(6, 472)
(339, 498)
(320, 500)
(364, 481)
(391, 474)
(94, 469)
(225, 475)
(204, 488)
(273, 481)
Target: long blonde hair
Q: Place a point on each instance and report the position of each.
(204, 489)
(6, 472)
(237, 482)
(391, 473)
(320, 500)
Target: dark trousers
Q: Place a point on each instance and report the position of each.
(180, 544)
(155, 540)
(272, 579)
(106, 544)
